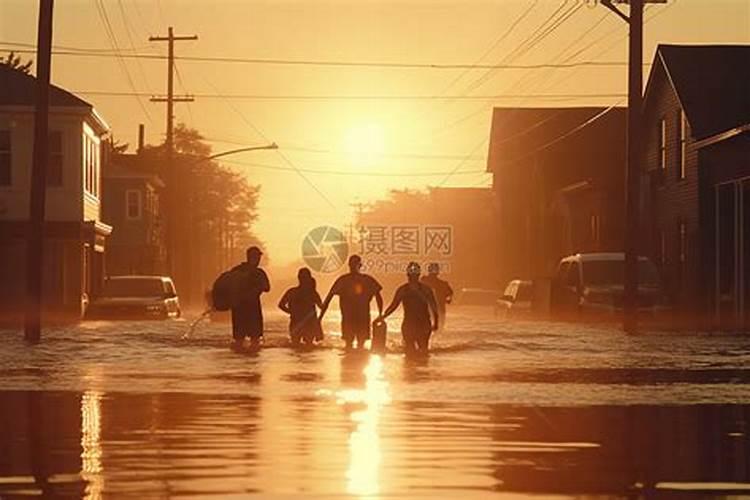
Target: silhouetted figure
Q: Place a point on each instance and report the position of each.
(355, 291)
(300, 303)
(440, 288)
(419, 305)
(247, 314)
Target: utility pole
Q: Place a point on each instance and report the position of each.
(633, 170)
(35, 241)
(170, 99)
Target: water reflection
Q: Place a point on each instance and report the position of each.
(364, 441)
(91, 454)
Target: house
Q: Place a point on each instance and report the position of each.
(697, 156)
(131, 204)
(75, 235)
(558, 179)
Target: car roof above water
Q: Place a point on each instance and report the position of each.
(139, 277)
(598, 256)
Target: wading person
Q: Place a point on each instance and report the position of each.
(355, 291)
(419, 305)
(440, 288)
(300, 304)
(247, 314)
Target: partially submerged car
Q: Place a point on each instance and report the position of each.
(516, 300)
(144, 297)
(477, 297)
(593, 284)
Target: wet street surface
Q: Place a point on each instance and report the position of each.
(513, 409)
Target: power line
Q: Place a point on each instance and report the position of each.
(129, 34)
(109, 32)
(81, 52)
(279, 153)
(323, 97)
(357, 173)
(492, 47)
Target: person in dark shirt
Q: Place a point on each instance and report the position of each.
(247, 314)
(300, 303)
(355, 291)
(419, 305)
(440, 288)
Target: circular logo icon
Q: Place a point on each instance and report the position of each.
(325, 249)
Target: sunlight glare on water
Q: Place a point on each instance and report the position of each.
(111, 409)
(364, 441)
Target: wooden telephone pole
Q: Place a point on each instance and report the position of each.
(170, 99)
(634, 154)
(35, 242)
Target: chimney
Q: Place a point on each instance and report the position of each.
(141, 134)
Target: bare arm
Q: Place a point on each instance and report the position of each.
(379, 302)
(449, 297)
(432, 303)
(265, 285)
(327, 301)
(284, 303)
(394, 304)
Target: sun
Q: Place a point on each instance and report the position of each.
(365, 143)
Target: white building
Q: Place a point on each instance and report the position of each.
(74, 232)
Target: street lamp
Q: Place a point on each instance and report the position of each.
(273, 145)
(176, 270)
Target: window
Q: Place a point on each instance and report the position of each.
(596, 229)
(572, 280)
(662, 247)
(5, 163)
(55, 165)
(662, 144)
(91, 169)
(682, 145)
(96, 161)
(133, 204)
(683, 242)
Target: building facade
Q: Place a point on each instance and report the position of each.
(697, 159)
(132, 206)
(74, 232)
(558, 180)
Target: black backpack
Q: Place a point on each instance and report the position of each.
(225, 290)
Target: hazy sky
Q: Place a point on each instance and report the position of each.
(443, 130)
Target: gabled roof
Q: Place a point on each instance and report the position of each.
(517, 133)
(19, 89)
(132, 166)
(712, 83)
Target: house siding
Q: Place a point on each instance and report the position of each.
(674, 201)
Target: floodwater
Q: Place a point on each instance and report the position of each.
(512, 409)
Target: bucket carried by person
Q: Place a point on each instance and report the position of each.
(379, 333)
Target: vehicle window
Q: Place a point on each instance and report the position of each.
(612, 272)
(133, 287)
(561, 272)
(572, 279)
(524, 292)
(169, 287)
(509, 289)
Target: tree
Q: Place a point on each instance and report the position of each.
(14, 62)
(218, 208)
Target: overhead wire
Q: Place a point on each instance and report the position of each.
(109, 32)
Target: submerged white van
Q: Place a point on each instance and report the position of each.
(593, 283)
